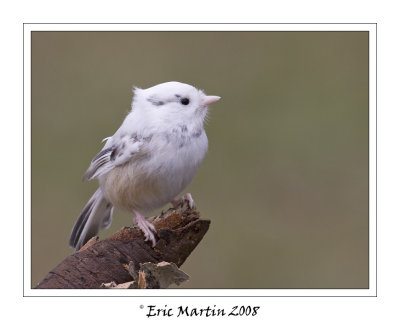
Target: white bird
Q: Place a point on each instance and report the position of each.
(151, 158)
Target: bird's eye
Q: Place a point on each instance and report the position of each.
(185, 101)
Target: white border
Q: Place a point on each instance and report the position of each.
(372, 291)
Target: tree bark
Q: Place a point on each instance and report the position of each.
(179, 231)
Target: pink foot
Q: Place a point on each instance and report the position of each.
(147, 227)
(187, 197)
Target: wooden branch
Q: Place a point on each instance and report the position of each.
(179, 231)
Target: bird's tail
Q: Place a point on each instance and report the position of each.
(96, 215)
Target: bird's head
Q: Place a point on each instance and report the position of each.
(173, 102)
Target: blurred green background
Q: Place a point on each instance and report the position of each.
(285, 181)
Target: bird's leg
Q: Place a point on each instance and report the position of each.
(187, 197)
(147, 227)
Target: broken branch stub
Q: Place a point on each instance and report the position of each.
(151, 276)
(179, 231)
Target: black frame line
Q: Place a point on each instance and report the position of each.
(217, 296)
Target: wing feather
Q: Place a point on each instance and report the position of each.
(116, 152)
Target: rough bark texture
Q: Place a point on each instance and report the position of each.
(179, 232)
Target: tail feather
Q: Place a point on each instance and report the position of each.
(96, 215)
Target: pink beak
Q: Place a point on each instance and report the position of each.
(210, 99)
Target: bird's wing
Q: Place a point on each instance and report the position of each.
(117, 151)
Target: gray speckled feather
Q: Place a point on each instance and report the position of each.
(96, 215)
(111, 156)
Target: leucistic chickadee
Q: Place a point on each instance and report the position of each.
(149, 161)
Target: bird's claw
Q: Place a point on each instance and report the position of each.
(187, 197)
(147, 228)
